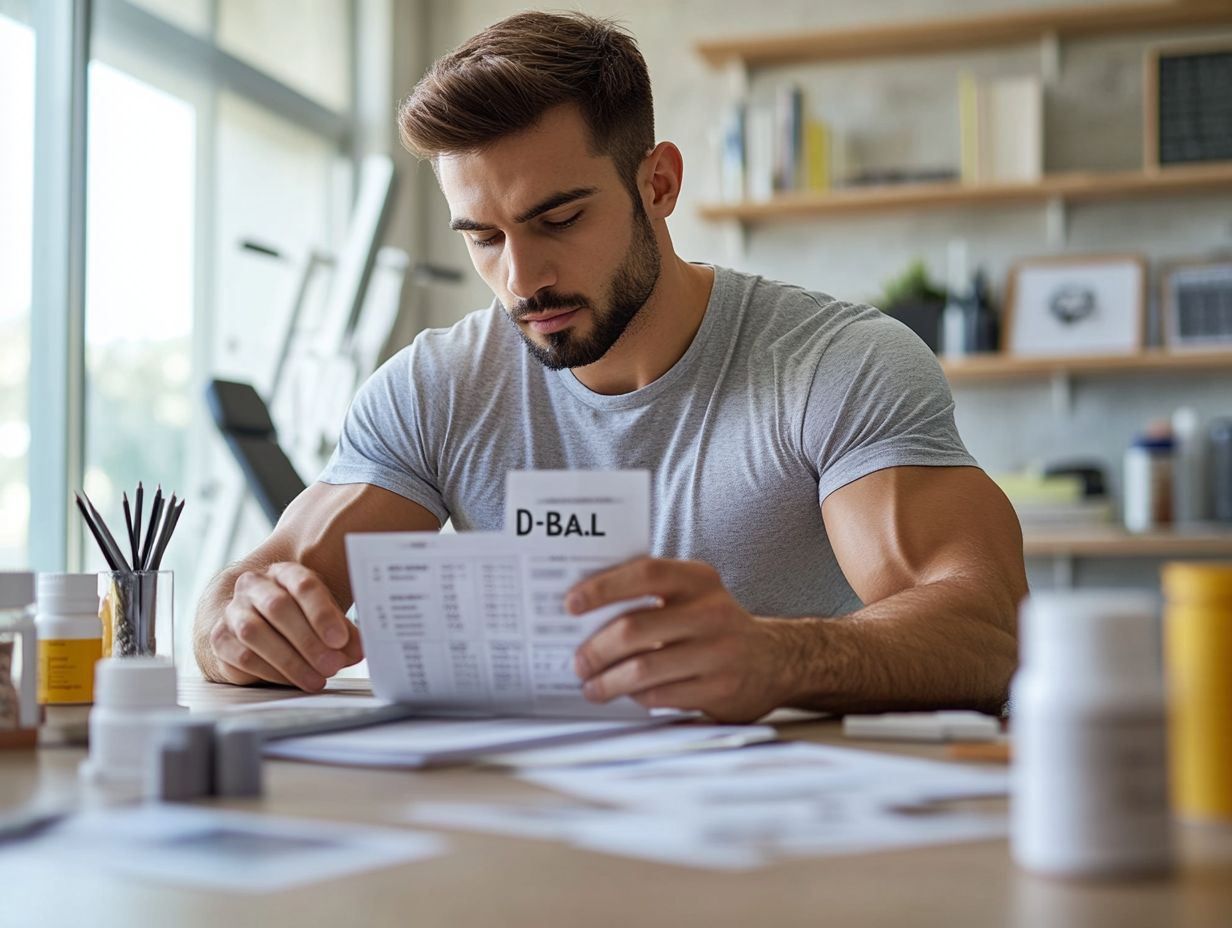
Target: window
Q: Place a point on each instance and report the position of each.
(16, 215)
(140, 229)
(200, 137)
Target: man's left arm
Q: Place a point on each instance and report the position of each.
(934, 552)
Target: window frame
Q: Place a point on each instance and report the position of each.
(63, 50)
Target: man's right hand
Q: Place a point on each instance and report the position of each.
(283, 625)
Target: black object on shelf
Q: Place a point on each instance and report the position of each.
(1091, 473)
(244, 421)
(982, 325)
(1221, 469)
(1194, 105)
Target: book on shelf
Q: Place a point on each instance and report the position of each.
(788, 138)
(1001, 127)
(774, 147)
(733, 154)
(1054, 502)
(759, 168)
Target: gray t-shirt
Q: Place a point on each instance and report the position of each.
(783, 397)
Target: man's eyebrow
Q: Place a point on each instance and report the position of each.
(555, 201)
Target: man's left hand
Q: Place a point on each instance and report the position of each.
(701, 650)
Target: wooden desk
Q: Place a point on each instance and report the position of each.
(485, 880)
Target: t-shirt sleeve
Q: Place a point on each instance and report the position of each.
(878, 399)
(383, 437)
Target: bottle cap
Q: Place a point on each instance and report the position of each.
(1092, 634)
(1154, 442)
(68, 594)
(1198, 582)
(134, 683)
(16, 589)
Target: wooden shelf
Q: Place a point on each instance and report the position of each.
(968, 32)
(1113, 541)
(998, 367)
(1072, 186)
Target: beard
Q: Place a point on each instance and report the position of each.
(627, 292)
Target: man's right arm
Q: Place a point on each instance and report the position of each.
(278, 615)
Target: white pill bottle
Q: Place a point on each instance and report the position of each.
(1090, 791)
(70, 638)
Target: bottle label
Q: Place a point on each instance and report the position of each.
(66, 670)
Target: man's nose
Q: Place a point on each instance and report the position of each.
(528, 270)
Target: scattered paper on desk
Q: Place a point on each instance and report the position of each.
(744, 837)
(222, 850)
(322, 701)
(422, 742)
(738, 809)
(772, 773)
(658, 742)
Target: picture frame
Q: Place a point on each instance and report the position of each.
(1187, 90)
(1196, 306)
(1070, 305)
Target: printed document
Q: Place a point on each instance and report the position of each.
(476, 622)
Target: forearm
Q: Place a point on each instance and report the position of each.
(948, 644)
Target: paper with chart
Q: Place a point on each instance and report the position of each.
(477, 621)
(744, 808)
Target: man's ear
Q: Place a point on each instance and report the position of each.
(660, 176)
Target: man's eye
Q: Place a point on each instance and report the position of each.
(563, 223)
(486, 242)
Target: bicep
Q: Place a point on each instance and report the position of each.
(903, 527)
(312, 529)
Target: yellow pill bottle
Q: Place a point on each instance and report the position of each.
(70, 638)
(1198, 658)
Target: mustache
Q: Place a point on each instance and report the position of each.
(541, 302)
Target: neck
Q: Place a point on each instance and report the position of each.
(659, 335)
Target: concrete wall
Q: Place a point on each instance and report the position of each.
(906, 110)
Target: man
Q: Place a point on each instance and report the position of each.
(823, 537)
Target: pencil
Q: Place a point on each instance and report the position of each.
(116, 554)
(94, 531)
(160, 537)
(174, 518)
(156, 509)
(128, 523)
(137, 520)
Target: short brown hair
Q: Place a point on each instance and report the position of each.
(505, 78)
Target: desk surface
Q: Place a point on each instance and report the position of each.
(487, 880)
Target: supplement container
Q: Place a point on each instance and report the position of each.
(70, 638)
(1090, 794)
(1147, 484)
(132, 699)
(1198, 651)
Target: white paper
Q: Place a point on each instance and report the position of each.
(477, 620)
(748, 836)
(221, 850)
(323, 702)
(614, 831)
(743, 808)
(772, 773)
(613, 505)
(422, 742)
(659, 742)
(738, 837)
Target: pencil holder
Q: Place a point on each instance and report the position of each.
(137, 612)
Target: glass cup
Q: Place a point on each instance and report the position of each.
(137, 611)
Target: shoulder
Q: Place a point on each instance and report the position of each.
(807, 329)
(475, 337)
(479, 343)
